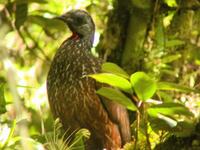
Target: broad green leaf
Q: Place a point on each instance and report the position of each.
(174, 87)
(165, 97)
(169, 109)
(171, 122)
(173, 43)
(114, 69)
(172, 73)
(21, 13)
(113, 80)
(2, 100)
(164, 122)
(171, 58)
(158, 124)
(116, 95)
(143, 85)
(184, 128)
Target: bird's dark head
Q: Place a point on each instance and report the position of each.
(79, 22)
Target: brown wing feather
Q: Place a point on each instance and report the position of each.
(117, 114)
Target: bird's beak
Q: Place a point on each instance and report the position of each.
(60, 18)
(65, 17)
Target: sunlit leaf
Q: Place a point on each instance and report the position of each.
(169, 109)
(171, 3)
(119, 97)
(115, 69)
(174, 87)
(168, 19)
(113, 80)
(143, 85)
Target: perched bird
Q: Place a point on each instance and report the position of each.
(71, 92)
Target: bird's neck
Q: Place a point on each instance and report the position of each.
(75, 36)
(87, 38)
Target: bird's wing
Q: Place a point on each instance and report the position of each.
(119, 115)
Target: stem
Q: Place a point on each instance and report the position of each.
(146, 127)
(138, 118)
(137, 128)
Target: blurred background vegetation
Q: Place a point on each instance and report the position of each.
(160, 37)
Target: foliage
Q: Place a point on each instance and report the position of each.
(170, 115)
(29, 37)
(164, 93)
(57, 140)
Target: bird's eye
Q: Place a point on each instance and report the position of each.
(79, 20)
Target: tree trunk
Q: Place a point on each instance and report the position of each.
(132, 23)
(122, 42)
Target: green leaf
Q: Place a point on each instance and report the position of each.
(171, 58)
(174, 87)
(173, 43)
(143, 85)
(79, 139)
(117, 96)
(113, 80)
(184, 128)
(21, 13)
(169, 109)
(2, 100)
(171, 3)
(165, 97)
(114, 69)
(171, 122)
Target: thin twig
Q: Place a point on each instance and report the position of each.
(20, 34)
(36, 45)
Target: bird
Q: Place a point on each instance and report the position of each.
(72, 93)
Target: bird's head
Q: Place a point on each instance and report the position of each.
(80, 23)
